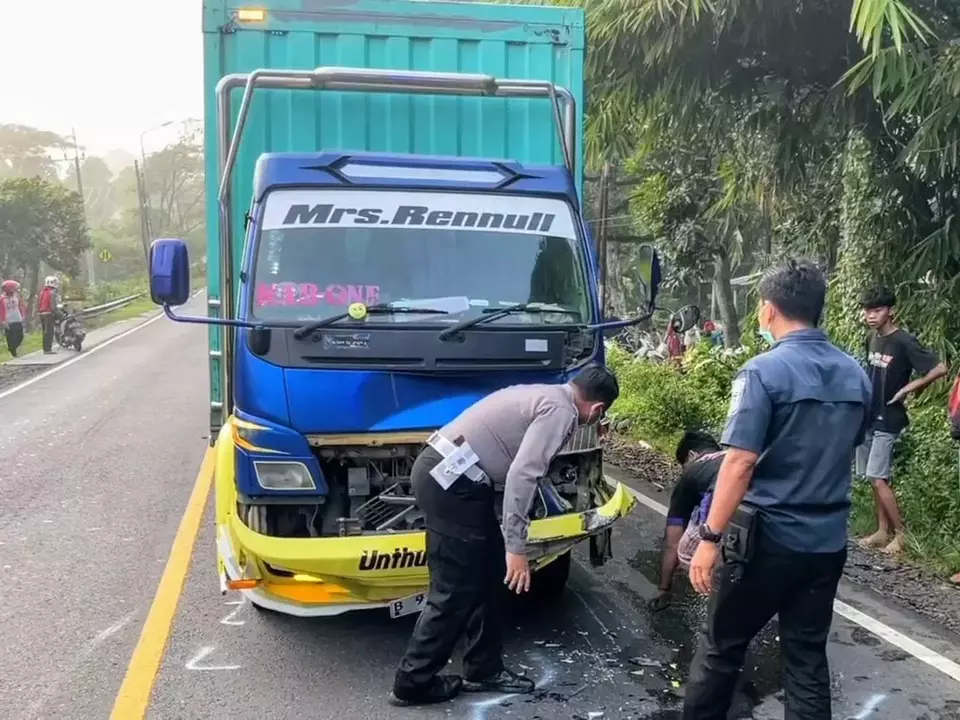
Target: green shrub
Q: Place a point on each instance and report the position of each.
(658, 401)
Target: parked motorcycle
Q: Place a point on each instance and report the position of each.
(68, 329)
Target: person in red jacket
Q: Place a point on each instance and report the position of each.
(953, 411)
(13, 312)
(46, 307)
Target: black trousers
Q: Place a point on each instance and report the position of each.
(800, 589)
(466, 560)
(46, 324)
(14, 336)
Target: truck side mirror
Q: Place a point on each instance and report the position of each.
(685, 318)
(169, 272)
(648, 276)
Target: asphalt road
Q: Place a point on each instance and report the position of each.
(98, 462)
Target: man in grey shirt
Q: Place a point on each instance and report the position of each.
(508, 437)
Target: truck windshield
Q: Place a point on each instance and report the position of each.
(320, 250)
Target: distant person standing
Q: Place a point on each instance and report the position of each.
(13, 311)
(46, 309)
(675, 348)
(893, 356)
(953, 411)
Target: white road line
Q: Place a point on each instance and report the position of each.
(894, 637)
(921, 652)
(86, 354)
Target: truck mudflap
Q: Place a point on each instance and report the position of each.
(333, 575)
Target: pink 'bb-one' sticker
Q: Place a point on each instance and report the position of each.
(308, 294)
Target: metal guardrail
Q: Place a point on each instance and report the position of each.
(107, 307)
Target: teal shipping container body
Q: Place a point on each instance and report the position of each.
(519, 42)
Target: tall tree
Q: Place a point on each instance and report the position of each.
(98, 188)
(40, 223)
(28, 152)
(174, 178)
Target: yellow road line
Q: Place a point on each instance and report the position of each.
(134, 695)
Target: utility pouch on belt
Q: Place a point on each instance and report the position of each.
(458, 459)
(740, 536)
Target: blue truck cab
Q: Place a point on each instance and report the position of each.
(361, 301)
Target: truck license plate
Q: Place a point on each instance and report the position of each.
(408, 605)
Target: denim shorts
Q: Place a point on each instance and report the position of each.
(875, 456)
(688, 544)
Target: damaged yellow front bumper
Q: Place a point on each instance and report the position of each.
(333, 575)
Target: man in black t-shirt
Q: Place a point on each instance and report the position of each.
(893, 356)
(700, 456)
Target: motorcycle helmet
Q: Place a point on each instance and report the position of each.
(10, 286)
(52, 281)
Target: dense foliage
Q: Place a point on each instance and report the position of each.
(742, 132)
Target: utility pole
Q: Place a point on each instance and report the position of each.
(142, 209)
(88, 253)
(606, 175)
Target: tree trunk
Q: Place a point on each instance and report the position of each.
(33, 287)
(724, 293)
(616, 289)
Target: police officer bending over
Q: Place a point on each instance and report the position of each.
(508, 437)
(797, 413)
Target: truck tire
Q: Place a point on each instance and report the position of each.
(550, 581)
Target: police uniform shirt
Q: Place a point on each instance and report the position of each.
(515, 433)
(802, 406)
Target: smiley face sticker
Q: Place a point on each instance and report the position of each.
(357, 311)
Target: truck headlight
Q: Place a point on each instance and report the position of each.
(283, 475)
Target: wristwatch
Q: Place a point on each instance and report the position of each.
(709, 535)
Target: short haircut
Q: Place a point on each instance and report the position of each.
(878, 297)
(597, 384)
(695, 441)
(797, 289)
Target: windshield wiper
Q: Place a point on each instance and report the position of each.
(302, 332)
(491, 314)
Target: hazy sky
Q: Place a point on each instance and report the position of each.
(109, 68)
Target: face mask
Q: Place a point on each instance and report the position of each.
(594, 417)
(766, 334)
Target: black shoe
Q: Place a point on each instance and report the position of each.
(443, 688)
(505, 681)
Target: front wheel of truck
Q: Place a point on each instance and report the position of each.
(549, 581)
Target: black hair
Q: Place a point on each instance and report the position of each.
(597, 384)
(797, 289)
(878, 297)
(695, 441)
